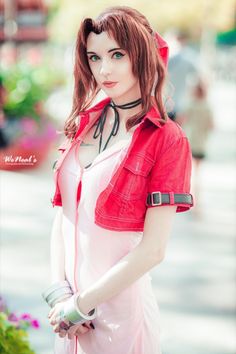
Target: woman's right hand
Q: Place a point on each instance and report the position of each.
(76, 330)
(72, 330)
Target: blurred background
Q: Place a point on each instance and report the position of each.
(195, 285)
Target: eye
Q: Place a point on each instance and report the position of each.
(94, 57)
(118, 55)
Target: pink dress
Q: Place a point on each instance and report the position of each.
(129, 322)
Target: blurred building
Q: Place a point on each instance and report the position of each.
(23, 21)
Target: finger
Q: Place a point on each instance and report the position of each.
(89, 325)
(79, 331)
(70, 336)
(72, 330)
(86, 325)
(64, 325)
(62, 333)
(71, 333)
(82, 330)
(51, 312)
(54, 320)
(56, 328)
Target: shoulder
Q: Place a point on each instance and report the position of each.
(172, 128)
(169, 134)
(172, 145)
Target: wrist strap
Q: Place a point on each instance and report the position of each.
(73, 314)
(56, 292)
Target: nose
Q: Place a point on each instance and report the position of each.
(105, 68)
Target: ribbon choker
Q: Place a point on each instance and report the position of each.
(115, 128)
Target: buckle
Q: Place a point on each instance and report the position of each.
(152, 199)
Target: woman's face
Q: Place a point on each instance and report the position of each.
(112, 68)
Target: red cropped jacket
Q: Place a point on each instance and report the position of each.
(158, 160)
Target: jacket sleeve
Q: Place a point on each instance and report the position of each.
(171, 175)
(56, 200)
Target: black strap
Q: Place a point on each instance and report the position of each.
(127, 105)
(100, 126)
(158, 198)
(115, 128)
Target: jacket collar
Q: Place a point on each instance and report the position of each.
(153, 115)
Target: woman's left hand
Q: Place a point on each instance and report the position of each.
(54, 317)
(76, 330)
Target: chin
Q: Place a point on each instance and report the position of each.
(117, 95)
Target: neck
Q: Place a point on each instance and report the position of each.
(128, 108)
(126, 114)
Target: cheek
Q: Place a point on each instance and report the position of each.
(126, 70)
(95, 69)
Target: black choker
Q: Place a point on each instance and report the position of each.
(115, 128)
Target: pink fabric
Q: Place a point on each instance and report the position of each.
(129, 322)
(162, 48)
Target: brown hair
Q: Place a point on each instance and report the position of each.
(131, 30)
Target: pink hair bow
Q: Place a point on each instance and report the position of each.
(162, 47)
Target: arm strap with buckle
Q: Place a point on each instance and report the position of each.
(158, 198)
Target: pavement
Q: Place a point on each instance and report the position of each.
(194, 285)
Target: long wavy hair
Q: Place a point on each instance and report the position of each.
(131, 30)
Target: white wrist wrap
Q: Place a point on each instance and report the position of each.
(57, 292)
(73, 314)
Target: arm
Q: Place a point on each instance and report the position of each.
(58, 274)
(146, 255)
(57, 249)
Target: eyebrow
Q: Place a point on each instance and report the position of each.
(109, 51)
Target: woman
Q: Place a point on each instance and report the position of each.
(197, 121)
(118, 200)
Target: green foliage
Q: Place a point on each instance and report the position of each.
(13, 340)
(227, 38)
(27, 86)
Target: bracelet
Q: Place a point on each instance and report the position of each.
(72, 313)
(57, 296)
(57, 292)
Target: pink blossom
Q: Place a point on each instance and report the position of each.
(3, 305)
(50, 132)
(12, 317)
(29, 126)
(25, 316)
(35, 324)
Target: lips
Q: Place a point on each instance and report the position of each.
(109, 84)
